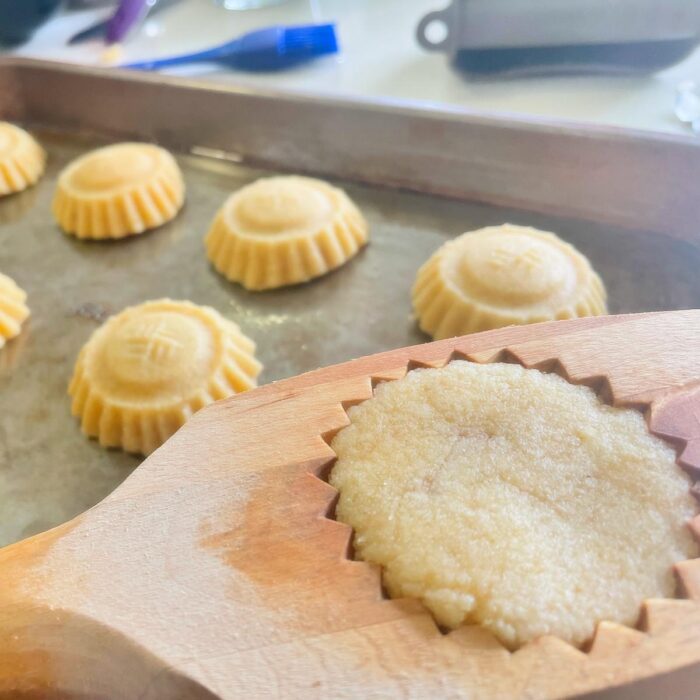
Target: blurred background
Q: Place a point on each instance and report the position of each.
(629, 63)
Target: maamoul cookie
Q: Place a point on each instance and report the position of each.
(13, 309)
(510, 498)
(284, 230)
(504, 275)
(145, 371)
(118, 191)
(22, 159)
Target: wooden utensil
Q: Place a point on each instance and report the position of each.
(217, 571)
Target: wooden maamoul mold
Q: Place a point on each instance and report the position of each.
(215, 571)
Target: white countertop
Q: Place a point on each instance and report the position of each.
(380, 57)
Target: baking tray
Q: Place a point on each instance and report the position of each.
(627, 200)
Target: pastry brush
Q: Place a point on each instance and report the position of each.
(271, 48)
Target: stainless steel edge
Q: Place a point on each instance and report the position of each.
(634, 179)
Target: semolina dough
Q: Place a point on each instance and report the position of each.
(512, 499)
(145, 371)
(501, 276)
(118, 191)
(284, 230)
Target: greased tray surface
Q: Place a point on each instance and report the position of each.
(50, 472)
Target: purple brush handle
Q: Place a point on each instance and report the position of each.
(128, 13)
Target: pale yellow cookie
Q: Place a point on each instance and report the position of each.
(501, 276)
(13, 309)
(118, 191)
(510, 498)
(145, 371)
(284, 230)
(22, 159)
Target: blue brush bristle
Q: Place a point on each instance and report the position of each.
(313, 40)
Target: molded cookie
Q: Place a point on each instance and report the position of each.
(284, 230)
(22, 159)
(118, 191)
(145, 371)
(504, 275)
(13, 309)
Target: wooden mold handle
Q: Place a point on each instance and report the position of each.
(213, 570)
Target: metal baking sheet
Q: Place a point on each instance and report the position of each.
(49, 472)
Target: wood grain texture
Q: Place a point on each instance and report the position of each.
(214, 571)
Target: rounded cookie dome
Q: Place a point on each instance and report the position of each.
(145, 371)
(284, 230)
(117, 191)
(504, 275)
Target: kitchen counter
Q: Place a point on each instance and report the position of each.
(380, 58)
